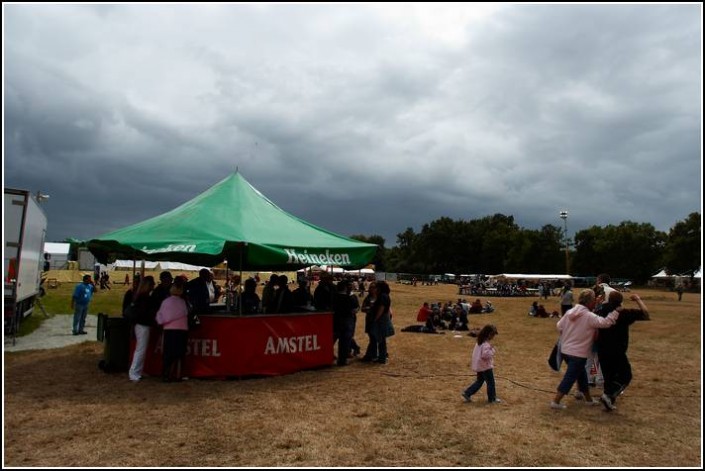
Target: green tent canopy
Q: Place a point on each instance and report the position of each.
(232, 221)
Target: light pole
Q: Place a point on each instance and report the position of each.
(564, 216)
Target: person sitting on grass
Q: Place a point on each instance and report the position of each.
(541, 311)
(476, 307)
(533, 309)
(424, 313)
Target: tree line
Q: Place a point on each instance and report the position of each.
(496, 244)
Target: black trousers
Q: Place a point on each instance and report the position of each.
(616, 372)
(174, 349)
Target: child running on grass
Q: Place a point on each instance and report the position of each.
(483, 364)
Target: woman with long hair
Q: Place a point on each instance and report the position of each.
(146, 318)
(367, 304)
(382, 311)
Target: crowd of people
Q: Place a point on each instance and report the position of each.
(505, 288)
(173, 304)
(593, 334)
(341, 299)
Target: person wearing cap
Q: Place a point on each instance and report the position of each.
(82, 295)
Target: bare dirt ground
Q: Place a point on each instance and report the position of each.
(60, 410)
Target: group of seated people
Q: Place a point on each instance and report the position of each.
(538, 310)
(447, 316)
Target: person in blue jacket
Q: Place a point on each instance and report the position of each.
(82, 295)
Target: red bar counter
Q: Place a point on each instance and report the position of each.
(235, 346)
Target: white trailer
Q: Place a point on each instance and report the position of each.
(24, 235)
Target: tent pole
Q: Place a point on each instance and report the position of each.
(228, 294)
(239, 285)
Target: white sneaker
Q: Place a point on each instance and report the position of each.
(496, 401)
(557, 405)
(607, 402)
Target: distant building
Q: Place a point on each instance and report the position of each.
(56, 254)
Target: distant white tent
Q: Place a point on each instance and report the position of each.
(697, 274)
(332, 269)
(361, 271)
(130, 263)
(58, 254)
(519, 276)
(312, 268)
(171, 266)
(178, 266)
(662, 275)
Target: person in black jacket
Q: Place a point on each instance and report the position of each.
(284, 302)
(162, 291)
(200, 291)
(612, 345)
(343, 321)
(323, 294)
(250, 299)
(302, 296)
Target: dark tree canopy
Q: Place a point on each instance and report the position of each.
(496, 244)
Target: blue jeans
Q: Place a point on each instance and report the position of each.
(372, 347)
(79, 317)
(380, 327)
(482, 377)
(345, 329)
(574, 372)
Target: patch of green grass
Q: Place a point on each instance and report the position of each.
(31, 323)
(57, 301)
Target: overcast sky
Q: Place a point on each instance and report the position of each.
(362, 119)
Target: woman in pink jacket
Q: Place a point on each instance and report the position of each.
(173, 317)
(578, 328)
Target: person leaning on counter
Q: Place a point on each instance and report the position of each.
(200, 291)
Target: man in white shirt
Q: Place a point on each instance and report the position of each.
(604, 280)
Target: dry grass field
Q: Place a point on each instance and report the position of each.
(60, 410)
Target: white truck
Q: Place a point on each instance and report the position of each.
(25, 232)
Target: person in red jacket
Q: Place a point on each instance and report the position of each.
(423, 314)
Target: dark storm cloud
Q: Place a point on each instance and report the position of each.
(360, 119)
